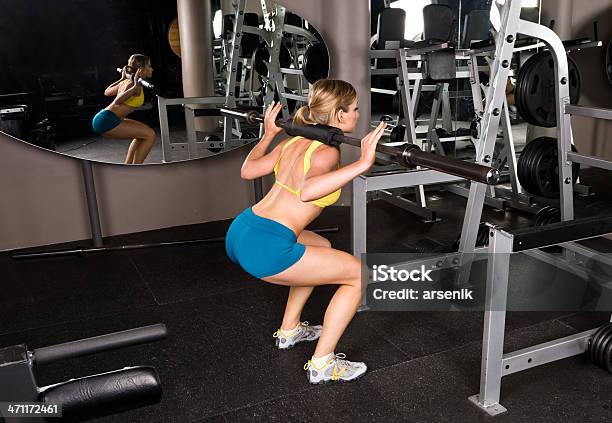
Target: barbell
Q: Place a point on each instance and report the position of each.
(142, 82)
(407, 155)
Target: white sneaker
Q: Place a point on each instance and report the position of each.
(335, 370)
(303, 332)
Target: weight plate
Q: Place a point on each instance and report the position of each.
(593, 341)
(538, 168)
(262, 57)
(482, 239)
(547, 171)
(605, 343)
(519, 92)
(601, 344)
(536, 97)
(532, 170)
(524, 164)
(607, 357)
(553, 216)
(546, 215)
(596, 341)
(316, 63)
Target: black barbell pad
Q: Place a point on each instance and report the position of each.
(323, 133)
(105, 393)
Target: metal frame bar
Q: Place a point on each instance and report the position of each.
(175, 151)
(366, 183)
(496, 296)
(494, 363)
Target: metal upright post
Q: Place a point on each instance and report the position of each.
(447, 119)
(92, 203)
(496, 297)
(274, 72)
(490, 122)
(359, 228)
(404, 88)
(509, 151)
(232, 69)
(409, 113)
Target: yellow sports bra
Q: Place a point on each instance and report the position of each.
(329, 199)
(137, 100)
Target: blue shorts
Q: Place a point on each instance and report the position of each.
(263, 247)
(104, 121)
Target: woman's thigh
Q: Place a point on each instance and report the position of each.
(311, 238)
(320, 266)
(129, 128)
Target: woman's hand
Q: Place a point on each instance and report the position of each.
(270, 120)
(124, 73)
(369, 143)
(135, 89)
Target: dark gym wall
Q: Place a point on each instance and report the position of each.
(42, 200)
(74, 41)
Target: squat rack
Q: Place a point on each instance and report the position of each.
(496, 364)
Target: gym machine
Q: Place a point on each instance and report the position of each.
(84, 397)
(502, 243)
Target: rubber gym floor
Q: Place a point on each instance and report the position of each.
(219, 362)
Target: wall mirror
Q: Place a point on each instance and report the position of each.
(59, 57)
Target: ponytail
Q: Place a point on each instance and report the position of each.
(300, 116)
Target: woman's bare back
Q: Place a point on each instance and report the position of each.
(280, 204)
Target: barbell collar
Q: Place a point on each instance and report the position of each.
(413, 156)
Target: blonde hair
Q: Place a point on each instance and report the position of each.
(137, 61)
(326, 98)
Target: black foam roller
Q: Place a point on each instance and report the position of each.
(106, 393)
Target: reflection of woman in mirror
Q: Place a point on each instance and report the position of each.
(112, 122)
(269, 240)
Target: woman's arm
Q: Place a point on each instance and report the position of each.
(322, 179)
(113, 88)
(258, 163)
(134, 90)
